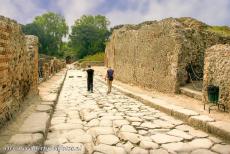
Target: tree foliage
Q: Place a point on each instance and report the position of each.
(89, 34)
(50, 29)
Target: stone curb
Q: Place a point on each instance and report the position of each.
(40, 128)
(192, 118)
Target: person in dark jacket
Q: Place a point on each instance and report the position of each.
(90, 73)
(109, 77)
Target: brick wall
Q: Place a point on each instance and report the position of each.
(18, 67)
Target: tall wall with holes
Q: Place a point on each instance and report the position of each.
(217, 72)
(156, 54)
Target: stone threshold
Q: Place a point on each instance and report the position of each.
(190, 117)
(33, 131)
(191, 93)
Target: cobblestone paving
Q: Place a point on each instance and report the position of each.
(116, 124)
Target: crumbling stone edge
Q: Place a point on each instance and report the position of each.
(34, 130)
(190, 117)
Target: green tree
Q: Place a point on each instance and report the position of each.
(50, 28)
(89, 34)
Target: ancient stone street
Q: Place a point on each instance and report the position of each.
(116, 124)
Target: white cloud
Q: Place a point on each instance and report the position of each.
(21, 10)
(216, 12)
(210, 11)
(74, 9)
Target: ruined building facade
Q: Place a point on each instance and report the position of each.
(18, 67)
(156, 54)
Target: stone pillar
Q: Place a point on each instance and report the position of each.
(217, 72)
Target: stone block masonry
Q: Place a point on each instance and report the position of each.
(18, 67)
(217, 72)
(155, 54)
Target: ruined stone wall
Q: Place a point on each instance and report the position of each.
(48, 66)
(18, 69)
(217, 72)
(155, 54)
(145, 56)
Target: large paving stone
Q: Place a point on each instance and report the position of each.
(138, 150)
(149, 125)
(95, 131)
(133, 138)
(163, 138)
(119, 123)
(180, 133)
(223, 149)
(148, 145)
(36, 123)
(134, 119)
(163, 124)
(107, 139)
(128, 128)
(178, 147)
(198, 133)
(105, 123)
(27, 139)
(202, 151)
(65, 126)
(128, 147)
(93, 122)
(158, 151)
(201, 143)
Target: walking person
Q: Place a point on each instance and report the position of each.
(109, 77)
(90, 73)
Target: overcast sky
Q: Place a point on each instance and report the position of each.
(213, 12)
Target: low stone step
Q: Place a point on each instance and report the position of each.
(191, 93)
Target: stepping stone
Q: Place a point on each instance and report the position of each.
(107, 139)
(163, 138)
(27, 139)
(34, 124)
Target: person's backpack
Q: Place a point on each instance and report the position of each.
(110, 74)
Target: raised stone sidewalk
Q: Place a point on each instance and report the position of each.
(34, 130)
